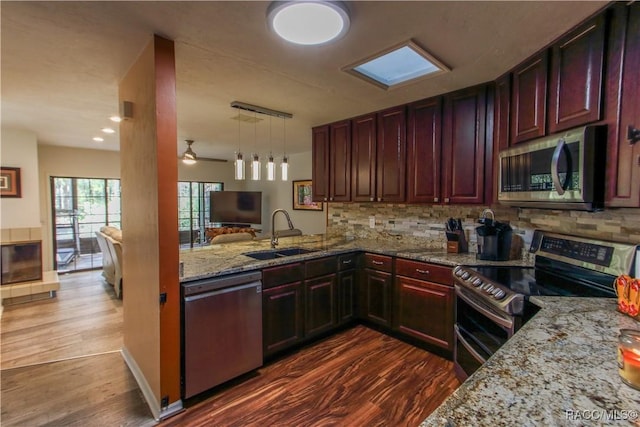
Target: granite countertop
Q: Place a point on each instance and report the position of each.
(559, 369)
(215, 260)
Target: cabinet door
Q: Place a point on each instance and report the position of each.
(424, 151)
(375, 297)
(340, 162)
(424, 310)
(623, 107)
(320, 163)
(528, 104)
(363, 174)
(346, 296)
(321, 305)
(576, 77)
(463, 146)
(391, 155)
(282, 317)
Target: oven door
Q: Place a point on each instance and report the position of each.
(480, 331)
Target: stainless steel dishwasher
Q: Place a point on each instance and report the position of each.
(222, 330)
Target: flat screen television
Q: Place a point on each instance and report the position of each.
(236, 207)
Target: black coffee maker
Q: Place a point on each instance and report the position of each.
(494, 238)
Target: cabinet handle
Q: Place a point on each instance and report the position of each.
(379, 199)
(348, 261)
(372, 199)
(422, 271)
(446, 200)
(325, 199)
(435, 199)
(330, 199)
(377, 262)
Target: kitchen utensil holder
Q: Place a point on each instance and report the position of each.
(458, 246)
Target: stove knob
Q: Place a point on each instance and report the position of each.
(489, 288)
(499, 294)
(458, 271)
(476, 282)
(465, 275)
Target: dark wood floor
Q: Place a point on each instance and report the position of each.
(358, 377)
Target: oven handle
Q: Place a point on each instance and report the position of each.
(555, 173)
(507, 323)
(468, 346)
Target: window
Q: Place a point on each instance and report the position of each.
(193, 210)
(80, 206)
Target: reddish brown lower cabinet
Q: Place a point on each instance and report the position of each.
(282, 317)
(346, 296)
(320, 304)
(376, 291)
(424, 308)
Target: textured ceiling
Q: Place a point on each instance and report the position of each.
(62, 61)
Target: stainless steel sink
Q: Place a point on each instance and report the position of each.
(277, 253)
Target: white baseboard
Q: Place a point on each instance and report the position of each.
(157, 412)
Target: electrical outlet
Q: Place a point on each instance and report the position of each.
(372, 222)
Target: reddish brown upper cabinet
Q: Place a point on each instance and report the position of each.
(424, 133)
(320, 164)
(575, 89)
(463, 146)
(623, 106)
(391, 147)
(363, 172)
(340, 161)
(528, 100)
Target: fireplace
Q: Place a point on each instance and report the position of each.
(21, 262)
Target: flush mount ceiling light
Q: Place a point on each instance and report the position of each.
(189, 157)
(397, 66)
(309, 22)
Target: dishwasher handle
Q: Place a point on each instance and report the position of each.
(257, 285)
(215, 283)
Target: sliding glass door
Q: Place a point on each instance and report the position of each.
(193, 211)
(80, 206)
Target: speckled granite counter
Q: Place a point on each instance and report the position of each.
(560, 363)
(215, 260)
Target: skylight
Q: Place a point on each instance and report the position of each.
(398, 65)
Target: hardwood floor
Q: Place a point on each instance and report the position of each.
(358, 377)
(61, 361)
(61, 366)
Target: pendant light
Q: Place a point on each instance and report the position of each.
(256, 166)
(271, 166)
(285, 161)
(238, 167)
(189, 157)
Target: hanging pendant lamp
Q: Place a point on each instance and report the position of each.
(238, 165)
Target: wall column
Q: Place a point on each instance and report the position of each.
(149, 176)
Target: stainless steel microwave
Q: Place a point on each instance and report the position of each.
(561, 171)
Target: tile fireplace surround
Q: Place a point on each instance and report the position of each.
(26, 291)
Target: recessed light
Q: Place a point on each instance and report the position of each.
(98, 139)
(309, 22)
(116, 119)
(397, 65)
(108, 130)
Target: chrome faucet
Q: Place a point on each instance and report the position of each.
(274, 235)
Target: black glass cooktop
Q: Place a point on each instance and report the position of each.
(550, 279)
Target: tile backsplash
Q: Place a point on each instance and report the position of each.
(425, 224)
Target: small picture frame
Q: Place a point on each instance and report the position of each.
(10, 182)
(303, 195)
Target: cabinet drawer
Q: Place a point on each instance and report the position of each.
(320, 267)
(378, 262)
(424, 271)
(347, 262)
(280, 275)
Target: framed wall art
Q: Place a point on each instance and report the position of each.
(303, 195)
(10, 182)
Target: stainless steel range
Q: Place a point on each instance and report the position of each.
(492, 302)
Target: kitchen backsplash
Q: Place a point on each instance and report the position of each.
(425, 224)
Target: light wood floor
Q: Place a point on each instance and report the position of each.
(61, 366)
(61, 361)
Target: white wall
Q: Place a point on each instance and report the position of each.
(19, 148)
(279, 194)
